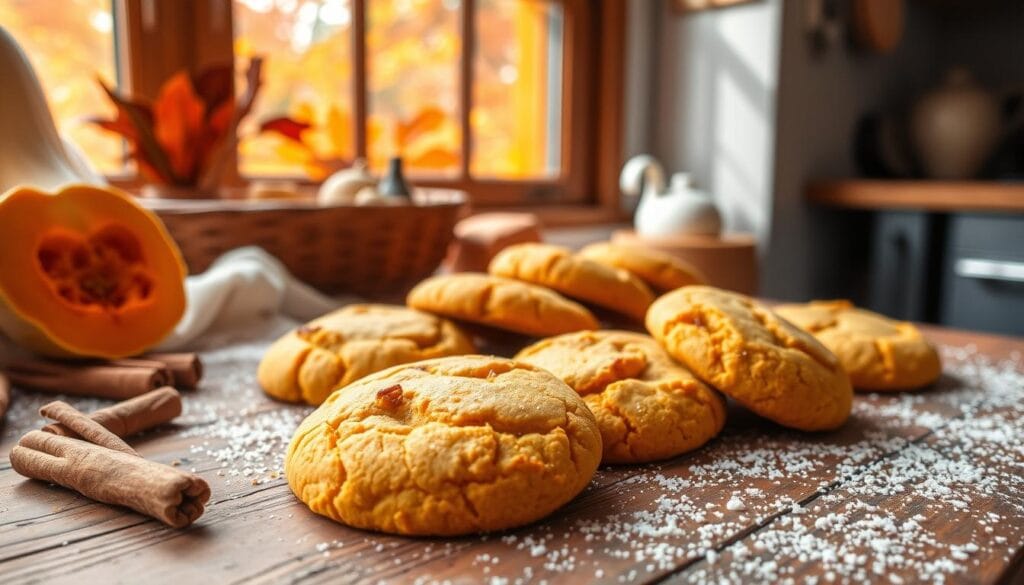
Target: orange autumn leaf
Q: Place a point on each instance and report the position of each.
(220, 118)
(435, 158)
(287, 127)
(298, 152)
(425, 122)
(339, 131)
(178, 123)
(218, 125)
(134, 122)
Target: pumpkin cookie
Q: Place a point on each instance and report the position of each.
(762, 361)
(877, 352)
(580, 278)
(502, 303)
(648, 407)
(445, 447)
(661, 271)
(307, 364)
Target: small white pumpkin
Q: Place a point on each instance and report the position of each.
(341, 187)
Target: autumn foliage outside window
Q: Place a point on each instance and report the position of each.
(412, 82)
(494, 96)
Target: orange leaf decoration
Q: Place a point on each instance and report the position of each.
(183, 138)
(178, 124)
(135, 123)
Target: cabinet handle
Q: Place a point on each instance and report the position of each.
(989, 269)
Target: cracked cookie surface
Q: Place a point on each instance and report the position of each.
(574, 276)
(659, 270)
(647, 406)
(442, 447)
(877, 352)
(749, 353)
(308, 363)
(502, 303)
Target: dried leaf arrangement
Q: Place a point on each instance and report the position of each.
(184, 138)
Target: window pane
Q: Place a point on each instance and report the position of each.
(413, 51)
(308, 67)
(517, 89)
(70, 43)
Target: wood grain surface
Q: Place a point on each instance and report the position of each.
(923, 486)
(938, 196)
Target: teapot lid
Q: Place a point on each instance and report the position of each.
(681, 182)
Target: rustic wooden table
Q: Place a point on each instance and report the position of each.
(924, 486)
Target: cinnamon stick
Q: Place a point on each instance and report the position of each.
(170, 495)
(132, 416)
(103, 381)
(5, 394)
(185, 369)
(85, 427)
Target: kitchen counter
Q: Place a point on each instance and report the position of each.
(917, 486)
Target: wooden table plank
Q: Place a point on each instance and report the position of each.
(949, 505)
(633, 524)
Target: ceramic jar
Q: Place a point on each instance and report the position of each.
(955, 127)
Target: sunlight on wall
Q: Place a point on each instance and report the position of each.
(741, 167)
(748, 36)
(719, 77)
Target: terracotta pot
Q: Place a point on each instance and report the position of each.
(955, 127)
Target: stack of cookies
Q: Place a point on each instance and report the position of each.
(415, 434)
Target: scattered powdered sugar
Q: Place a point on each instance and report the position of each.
(913, 490)
(245, 445)
(735, 503)
(249, 447)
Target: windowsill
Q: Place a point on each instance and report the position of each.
(581, 214)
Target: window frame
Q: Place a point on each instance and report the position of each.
(158, 38)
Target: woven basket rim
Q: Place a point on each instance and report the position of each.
(424, 198)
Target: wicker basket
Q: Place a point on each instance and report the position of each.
(358, 249)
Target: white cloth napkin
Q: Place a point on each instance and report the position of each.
(242, 288)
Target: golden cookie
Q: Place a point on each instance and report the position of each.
(762, 361)
(877, 352)
(445, 447)
(661, 271)
(327, 353)
(500, 302)
(648, 407)
(558, 268)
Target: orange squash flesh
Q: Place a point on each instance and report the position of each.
(86, 272)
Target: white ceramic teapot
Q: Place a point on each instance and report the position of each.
(677, 210)
(31, 150)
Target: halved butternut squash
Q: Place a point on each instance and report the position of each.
(86, 272)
